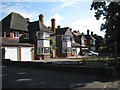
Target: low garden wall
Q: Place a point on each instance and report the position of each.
(102, 71)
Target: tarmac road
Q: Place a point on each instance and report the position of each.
(25, 77)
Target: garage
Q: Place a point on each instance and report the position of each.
(12, 53)
(26, 53)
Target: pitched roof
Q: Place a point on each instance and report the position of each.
(75, 44)
(15, 21)
(76, 33)
(63, 31)
(14, 42)
(38, 26)
(89, 37)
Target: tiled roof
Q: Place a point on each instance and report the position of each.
(15, 21)
(38, 26)
(75, 44)
(89, 37)
(63, 31)
(14, 42)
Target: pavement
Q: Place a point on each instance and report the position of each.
(26, 77)
(71, 58)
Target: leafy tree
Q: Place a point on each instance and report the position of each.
(99, 41)
(52, 41)
(110, 12)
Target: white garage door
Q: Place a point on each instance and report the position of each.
(26, 54)
(12, 53)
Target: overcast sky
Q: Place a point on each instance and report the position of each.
(75, 14)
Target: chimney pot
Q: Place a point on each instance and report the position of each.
(58, 26)
(82, 33)
(91, 33)
(70, 29)
(27, 19)
(87, 32)
(41, 18)
(49, 27)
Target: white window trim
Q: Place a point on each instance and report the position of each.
(15, 33)
(65, 40)
(38, 52)
(43, 34)
(66, 52)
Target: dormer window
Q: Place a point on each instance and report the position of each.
(15, 34)
(26, 36)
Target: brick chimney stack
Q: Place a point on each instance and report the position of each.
(41, 18)
(53, 25)
(87, 32)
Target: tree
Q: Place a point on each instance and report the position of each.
(99, 41)
(52, 41)
(110, 12)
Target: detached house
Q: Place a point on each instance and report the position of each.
(23, 40)
(87, 41)
(40, 37)
(64, 40)
(14, 33)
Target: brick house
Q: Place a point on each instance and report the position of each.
(18, 43)
(87, 41)
(64, 44)
(39, 36)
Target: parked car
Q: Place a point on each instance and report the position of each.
(90, 53)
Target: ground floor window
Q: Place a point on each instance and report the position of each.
(74, 50)
(43, 50)
(66, 50)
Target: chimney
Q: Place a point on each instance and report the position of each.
(49, 27)
(53, 25)
(58, 26)
(82, 33)
(87, 32)
(91, 33)
(27, 19)
(41, 18)
(70, 29)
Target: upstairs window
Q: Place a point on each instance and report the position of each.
(73, 40)
(46, 35)
(66, 38)
(26, 36)
(15, 34)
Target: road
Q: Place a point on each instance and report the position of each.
(26, 77)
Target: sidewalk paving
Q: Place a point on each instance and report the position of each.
(72, 58)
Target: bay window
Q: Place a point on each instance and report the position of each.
(42, 35)
(66, 38)
(43, 50)
(66, 50)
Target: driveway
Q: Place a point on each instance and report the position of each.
(26, 77)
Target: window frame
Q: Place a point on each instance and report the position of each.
(26, 34)
(65, 38)
(15, 32)
(65, 50)
(41, 50)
